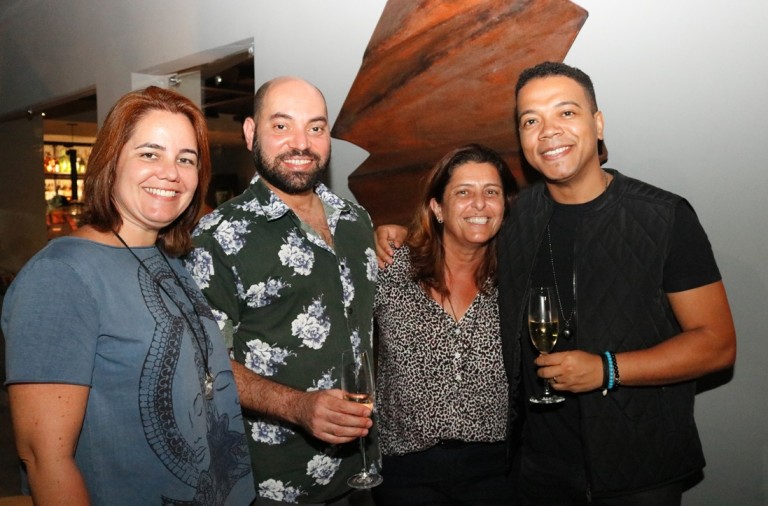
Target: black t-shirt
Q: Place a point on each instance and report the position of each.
(552, 444)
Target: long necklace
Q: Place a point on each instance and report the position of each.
(567, 331)
(453, 311)
(471, 327)
(465, 349)
(201, 344)
(569, 327)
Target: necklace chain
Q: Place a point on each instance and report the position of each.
(465, 349)
(200, 344)
(567, 323)
(453, 311)
(557, 289)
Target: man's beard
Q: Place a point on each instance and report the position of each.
(292, 183)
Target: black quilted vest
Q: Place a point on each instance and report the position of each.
(635, 437)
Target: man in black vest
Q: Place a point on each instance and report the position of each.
(643, 312)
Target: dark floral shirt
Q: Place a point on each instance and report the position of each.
(291, 305)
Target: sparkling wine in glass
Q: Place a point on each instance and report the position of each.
(357, 385)
(543, 323)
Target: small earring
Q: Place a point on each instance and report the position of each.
(439, 219)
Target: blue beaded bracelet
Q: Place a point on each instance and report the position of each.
(616, 378)
(611, 377)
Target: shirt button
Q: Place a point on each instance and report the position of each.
(458, 377)
(458, 354)
(457, 331)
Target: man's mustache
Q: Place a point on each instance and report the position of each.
(306, 153)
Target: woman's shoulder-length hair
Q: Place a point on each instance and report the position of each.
(100, 209)
(425, 232)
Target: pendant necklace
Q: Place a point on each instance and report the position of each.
(567, 331)
(465, 349)
(569, 325)
(200, 344)
(457, 330)
(455, 317)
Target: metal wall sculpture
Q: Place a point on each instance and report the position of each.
(438, 74)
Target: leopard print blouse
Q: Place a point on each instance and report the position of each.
(437, 379)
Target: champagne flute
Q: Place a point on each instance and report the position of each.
(543, 323)
(357, 385)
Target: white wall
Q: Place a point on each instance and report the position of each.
(682, 84)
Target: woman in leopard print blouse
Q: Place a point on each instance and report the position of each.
(442, 392)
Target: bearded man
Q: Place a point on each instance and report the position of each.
(289, 269)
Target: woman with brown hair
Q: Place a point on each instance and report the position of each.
(442, 392)
(124, 394)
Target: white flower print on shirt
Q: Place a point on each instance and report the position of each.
(326, 382)
(297, 254)
(329, 197)
(252, 206)
(371, 266)
(355, 340)
(275, 207)
(208, 221)
(263, 293)
(347, 286)
(264, 359)
(313, 326)
(277, 491)
(229, 235)
(322, 468)
(200, 266)
(269, 433)
(220, 317)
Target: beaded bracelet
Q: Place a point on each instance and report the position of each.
(611, 377)
(606, 373)
(616, 378)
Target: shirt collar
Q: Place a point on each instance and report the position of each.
(274, 208)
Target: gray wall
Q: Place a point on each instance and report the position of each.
(22, 202)
(682, 84)
(684, 89)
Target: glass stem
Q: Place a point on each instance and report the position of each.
(547, 393)
(362, 452)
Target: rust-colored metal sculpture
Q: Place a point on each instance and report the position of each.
(438, 74)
